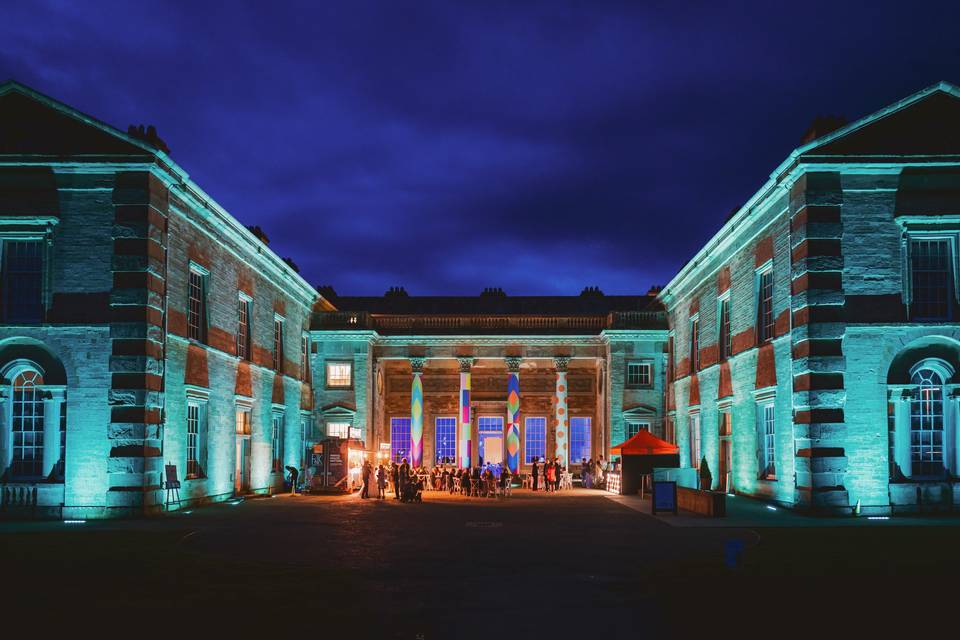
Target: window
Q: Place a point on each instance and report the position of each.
(926, 423)
(638, 374)
(930, 279)
(580, 439)
(197, 308)
(23, 281)
(338, 430)
(355, 433)
(305, 357)
(694, 344)
(243, 422)
(446, 440)
(765, 305)
(339, 374)
(27, 426)
(278, 345)
(276, 443)
(60, 468)
(633, 428)
(766, 430)
(490, 424)
(196, 417)
(669, 434)
(399, 439)
(243, 327)
(723, 315)
(694, 438)
(534, 439)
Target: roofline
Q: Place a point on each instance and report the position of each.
(783, 170)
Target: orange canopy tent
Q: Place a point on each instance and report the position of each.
(644, 444)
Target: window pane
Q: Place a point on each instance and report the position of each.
(277, 443)
(399, 439)
(27, 436)
(930, 279)
(196, 313)
(765, 306)
(338, 374)
(694, 440)
(580, 439)
(695, 345)
(725, 339)
(535, 439)
(278, 345)
(193, 441)
(446, 440)
(926, 423)
(243, 329)
(338, 430)
(23, 281)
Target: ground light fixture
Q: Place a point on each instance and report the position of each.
(74, 522)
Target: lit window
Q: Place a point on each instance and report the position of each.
(930, 279)
(243, 328)
(27, 426)
(243, 422)
(338, 430)
(694, 344)
(195, 435)
(276, 443)
(638, 374)
(633, 428)
(766, 439)
(339, 374)
(197, 309)
(305, 357)
(446, 440)
(580, 429)
(694, 440)
(22, 281)
(355, 433)
(278, 345)
(926, 423)
(723, 314)
(399, 439)
(534, 439)
(765, 305)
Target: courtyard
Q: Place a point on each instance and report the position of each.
(578, 563)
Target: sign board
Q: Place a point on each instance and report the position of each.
(171, 475)
(664, 497)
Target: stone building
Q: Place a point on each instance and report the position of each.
(814, 338)
(808, 354)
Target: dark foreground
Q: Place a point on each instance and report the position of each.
(557, 566)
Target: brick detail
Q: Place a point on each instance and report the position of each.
(813, 348)
(723, 280)
(816, 416)
(817, 381)
(826, 280)
(813, 247)
(763, 251)
(725, 387)
(814, 214)
(766, 367)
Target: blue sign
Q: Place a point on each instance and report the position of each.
(664, 496)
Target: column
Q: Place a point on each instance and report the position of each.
(560, 406)
(416, 413)
(6, 433)
(51, 430)
(513, 415)
(951, 415)
(465, 435)
(901, 441)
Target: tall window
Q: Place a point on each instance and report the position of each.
(534, 439)
(580, 439)
(195, 435)
(634, 427)
(767, 432)
(694, 344)
(725, 341)
(197, 308)
(638, 374)
(446, 440)
(243, 422)
(305, 357)
(669, 430)
(765, 305)
(27, 426)
(60, 469)
(399, 439)
(926, 423)
(339, 374)
(22, 281)
(930, 279)
(276, 443)
(278, 344)
(694, 438)
(243, 328)
(338, 430)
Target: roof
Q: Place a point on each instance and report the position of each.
(644, 443)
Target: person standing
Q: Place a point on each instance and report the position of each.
(294, 474)
(381, 482)
(395, 477)
(365, 480)
(535, 473)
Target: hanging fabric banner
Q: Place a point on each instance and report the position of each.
(560, 402)
(416, 416)
(466, 437)
(513, 415)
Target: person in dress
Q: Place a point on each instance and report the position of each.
(381, 482)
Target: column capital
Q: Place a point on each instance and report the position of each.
(513, 363)
(561, 363)
(55, 394)
(417, 364)
(466, 362)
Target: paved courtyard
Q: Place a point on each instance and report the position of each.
(578, 563)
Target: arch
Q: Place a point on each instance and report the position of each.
(16, 353)
(941, 351)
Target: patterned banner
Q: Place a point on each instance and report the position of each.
(513, 423)
(561, 404)
(416, 421)
(466, 439)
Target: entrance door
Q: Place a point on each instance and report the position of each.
(241, 476)
(726, 466)
(492, 450)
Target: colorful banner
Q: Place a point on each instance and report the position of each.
(561, 408)
(416, 421)
(513, 423)
(466, 439)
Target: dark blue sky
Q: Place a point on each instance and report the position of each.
(452, 146)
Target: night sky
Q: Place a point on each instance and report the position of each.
(453, 146)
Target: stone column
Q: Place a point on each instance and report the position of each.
(950, 430)
(901, 441)
(416, 413)
(6, 433)
(465, 436)
(560, 407)
(513, 415)
(51, 430)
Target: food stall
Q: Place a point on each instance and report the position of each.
(638, 457)
(338, 463)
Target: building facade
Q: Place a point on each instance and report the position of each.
(806, 355)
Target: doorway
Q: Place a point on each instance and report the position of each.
(241, 476)
(726, 466)
(491, 449)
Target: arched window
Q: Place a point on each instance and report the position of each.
(27, 425)
(926, 421)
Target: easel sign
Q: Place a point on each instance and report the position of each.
(664, 497)
(172, 485)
